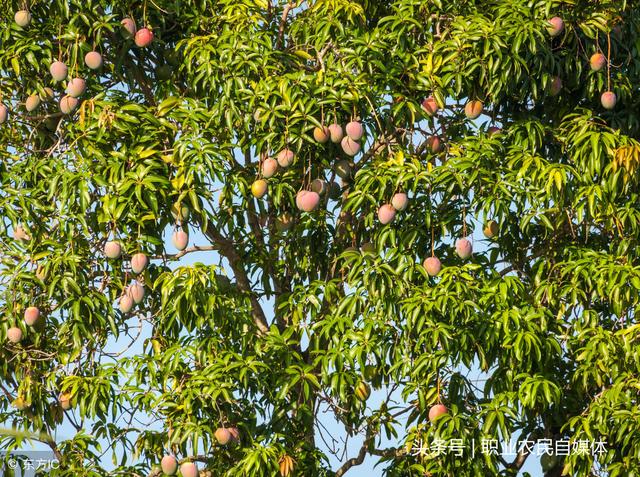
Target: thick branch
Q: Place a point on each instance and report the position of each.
(283, 22)
(354, 461)
(523, 453)
(520, 459)
(229, 252)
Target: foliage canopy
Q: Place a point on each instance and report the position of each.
(173, 135)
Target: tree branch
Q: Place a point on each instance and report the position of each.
(283, 22)
(354, 461)
(228, 250)
(523, 453)
(195, 248)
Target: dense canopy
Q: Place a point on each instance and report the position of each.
(226, 223)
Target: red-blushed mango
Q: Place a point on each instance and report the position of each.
(400, 201)
(608, 100)
(76, 87)
(169, 465)
(437, 411)
(139, 262)
(336, 133)
(555, 86)
(31, 315)
(269, 167)
(349, 146)
(490, 229)
(58, 70)
(68, 104)
(430, 106)
(354, 130)
(180, 239)
(143, 37)
(473, 109)
(286, 157)
(222, 435)
(386, 214)
(93, 60)
(14, 335)
(259, 188)
(22, 18)
(435, 144)
(189, 469)
(32, 102)
(125, 303)
(136, 292)
(463, 248)
(321, 134)
(128, 27)
(4, 113)
(597, 61)
(307, 200)
(432, 265)
(493, 130)
(112, 249)
(556, 26)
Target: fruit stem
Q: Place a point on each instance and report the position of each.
(464, 222)
(432, 234)
(59, 43)
(144, 13)
(75, 59)
(608, 61)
